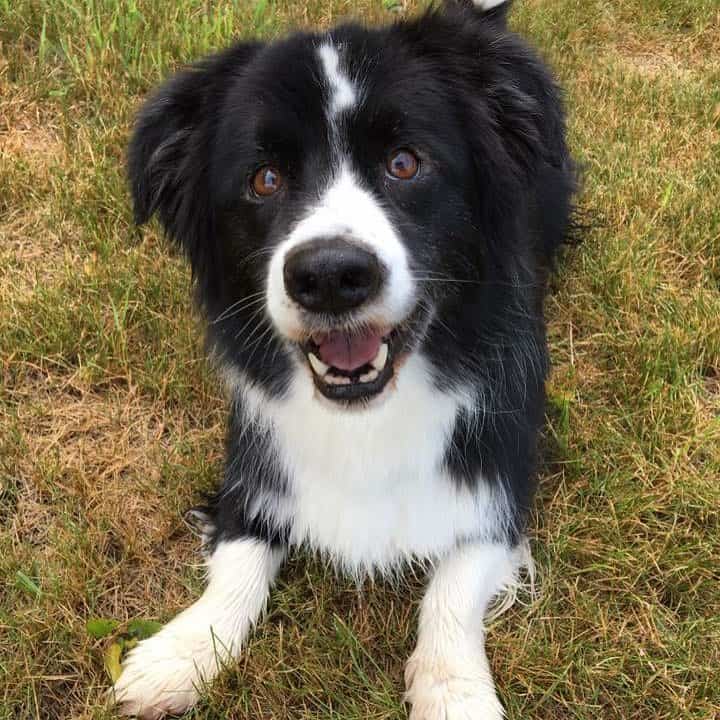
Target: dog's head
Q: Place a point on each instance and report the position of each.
(352, 197)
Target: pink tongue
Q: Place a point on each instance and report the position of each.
(348, 352)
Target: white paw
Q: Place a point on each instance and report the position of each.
(163, 675)
(439, 689)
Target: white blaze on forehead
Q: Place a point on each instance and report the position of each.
(343, 94)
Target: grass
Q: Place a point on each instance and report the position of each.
(111, 422)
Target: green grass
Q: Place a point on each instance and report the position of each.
(111, 422)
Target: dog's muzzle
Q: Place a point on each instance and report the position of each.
(336, 279)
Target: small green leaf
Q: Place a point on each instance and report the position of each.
(27, 584)
(100, 628)
(112, 661)
(142, 629)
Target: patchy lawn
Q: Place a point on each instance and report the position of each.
(111, 422)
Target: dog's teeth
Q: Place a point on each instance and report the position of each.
(337, 379)
(318, 365)
(369, 376)
(381, 358)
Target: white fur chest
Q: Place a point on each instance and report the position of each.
(367, 488)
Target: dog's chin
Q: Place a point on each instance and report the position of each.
(364, 372)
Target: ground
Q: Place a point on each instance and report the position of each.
(111, 423)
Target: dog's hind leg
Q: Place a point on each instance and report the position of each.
(165, 673)
(448, 676)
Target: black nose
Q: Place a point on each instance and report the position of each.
(331, 276)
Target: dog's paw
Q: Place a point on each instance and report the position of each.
(439, 689)
(160, 677)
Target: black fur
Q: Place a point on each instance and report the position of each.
(483, 227)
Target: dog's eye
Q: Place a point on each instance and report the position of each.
(266, 181)
(403, 164)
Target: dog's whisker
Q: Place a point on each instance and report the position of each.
(239, 305)
(250, 320)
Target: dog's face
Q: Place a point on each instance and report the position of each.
(350, 198)
(341, 183)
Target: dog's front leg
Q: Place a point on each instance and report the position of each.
(163, 674)
(448, 676)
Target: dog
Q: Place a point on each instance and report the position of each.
(371, 216)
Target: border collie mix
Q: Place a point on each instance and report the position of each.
(371, 216)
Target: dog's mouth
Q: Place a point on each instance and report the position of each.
(350, 366)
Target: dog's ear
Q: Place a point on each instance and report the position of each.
(495, 11)
(168, 158)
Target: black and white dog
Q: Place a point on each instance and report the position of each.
(371, 216)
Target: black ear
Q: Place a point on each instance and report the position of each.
(520, 147)
(161, 139)
(167, 158)
(495, 11)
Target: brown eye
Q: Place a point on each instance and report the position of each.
(267, 181)
(403, 165)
